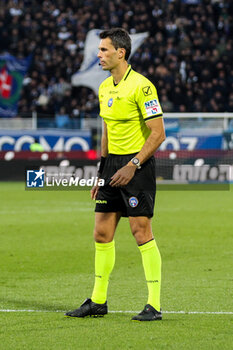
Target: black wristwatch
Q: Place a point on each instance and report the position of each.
(136, 162)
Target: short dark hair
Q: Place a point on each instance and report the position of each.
(120, 39)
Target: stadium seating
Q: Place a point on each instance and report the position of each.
(188, 54)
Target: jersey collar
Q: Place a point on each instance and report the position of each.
(125, 75)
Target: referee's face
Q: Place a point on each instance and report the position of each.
(108, 55)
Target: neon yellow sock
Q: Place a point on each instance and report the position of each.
(151, 261)
(104, 263)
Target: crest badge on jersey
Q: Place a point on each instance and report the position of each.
(110, 102)
(152, 108)
(133, 202)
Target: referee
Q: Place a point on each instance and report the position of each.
(133, 130)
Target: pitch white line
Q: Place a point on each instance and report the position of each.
(26, 310)
(132, 312)
(41, 211)
(183, 312)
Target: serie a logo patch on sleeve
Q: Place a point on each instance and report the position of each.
(152, 108)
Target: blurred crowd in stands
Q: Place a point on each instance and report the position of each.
(188, 55)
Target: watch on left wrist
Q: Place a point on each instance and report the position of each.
(136, 162)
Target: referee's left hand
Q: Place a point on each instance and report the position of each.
(123, 176)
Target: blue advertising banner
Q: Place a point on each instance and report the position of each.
(57, 141)
(65, 141)
(228, 138)
(12, 72)
(192, 141)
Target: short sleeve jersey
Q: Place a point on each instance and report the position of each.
(125, 108)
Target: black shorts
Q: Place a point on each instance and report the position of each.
(135, 199)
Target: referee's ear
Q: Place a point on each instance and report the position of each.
(121, 52)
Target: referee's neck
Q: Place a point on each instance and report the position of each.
(119, 71)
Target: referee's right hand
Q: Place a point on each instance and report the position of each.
(94, 192)
(123, 176)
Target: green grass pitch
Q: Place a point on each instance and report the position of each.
(47, 265)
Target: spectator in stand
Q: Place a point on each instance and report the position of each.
(189, 49)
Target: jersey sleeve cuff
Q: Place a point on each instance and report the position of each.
(154, 117)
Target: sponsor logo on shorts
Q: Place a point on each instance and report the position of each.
(99, 201)
(110, 102)
(133, 202)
